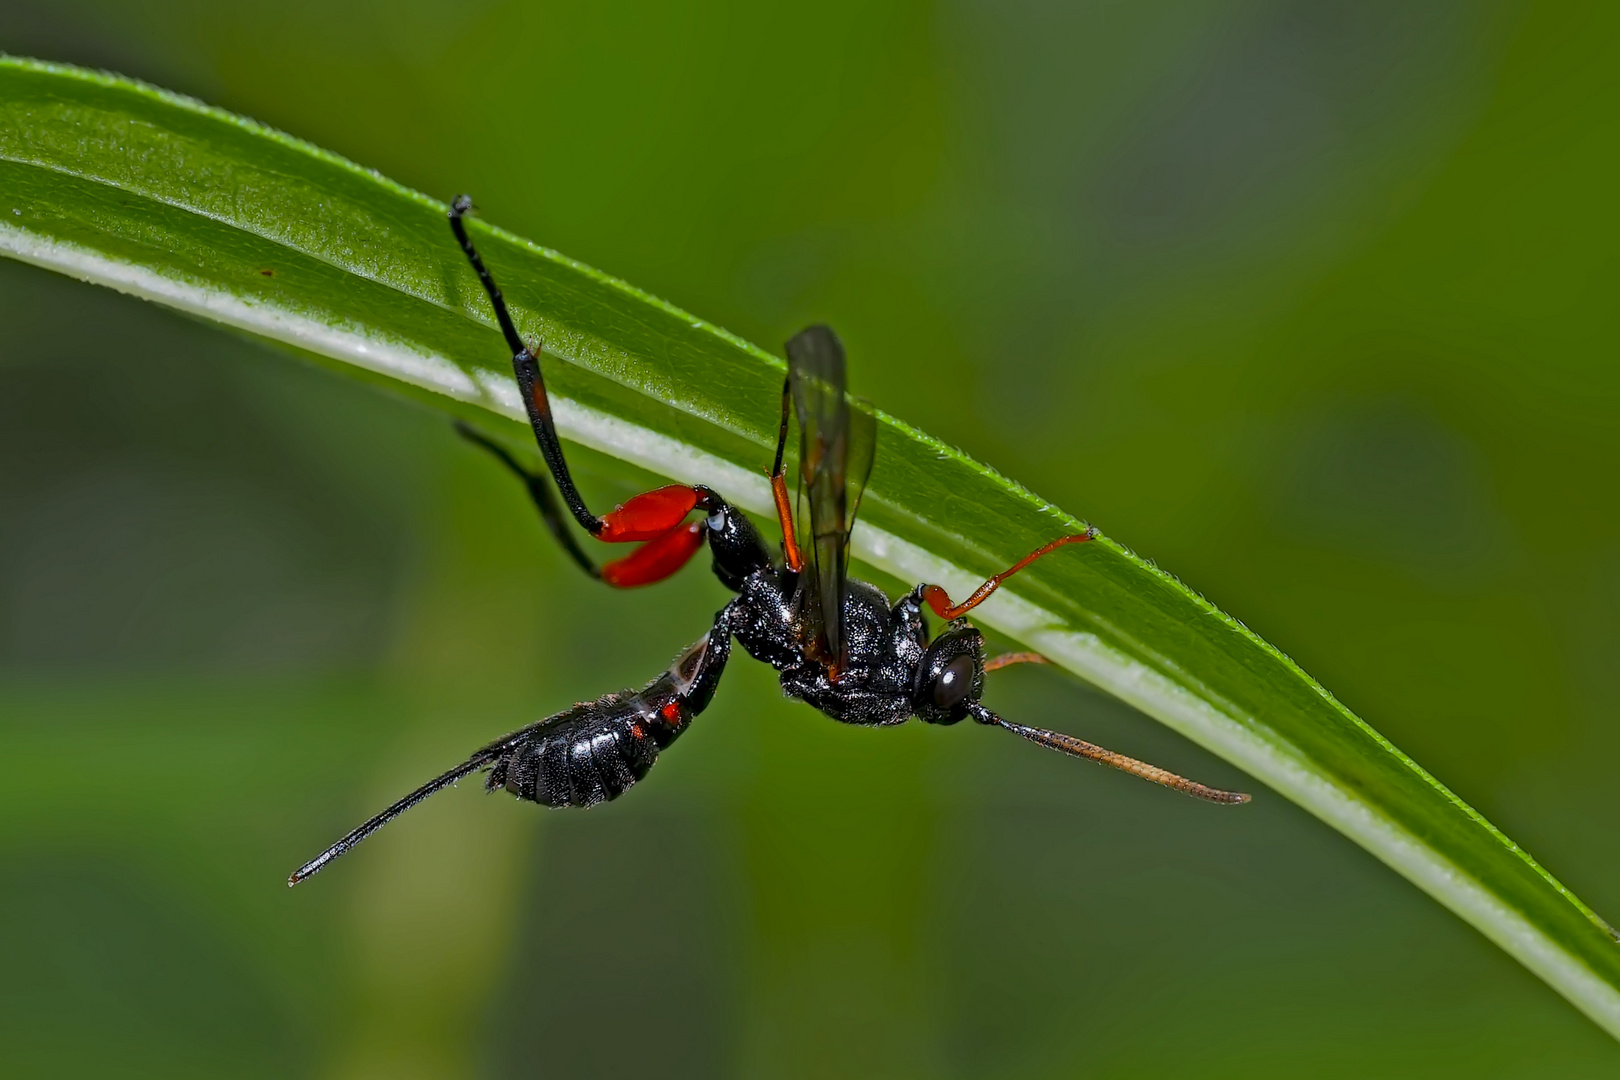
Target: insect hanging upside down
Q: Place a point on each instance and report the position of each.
(837, 643)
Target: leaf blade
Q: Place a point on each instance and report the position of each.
(153, 194)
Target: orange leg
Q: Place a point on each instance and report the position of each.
(784, 506)
(996, 663)
(940, 601)
(784, 513)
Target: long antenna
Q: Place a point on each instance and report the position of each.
(472, 764)
(1068, 744)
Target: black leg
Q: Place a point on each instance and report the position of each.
(781, 433)
(527, 369)
(779, 492)
(550, 512)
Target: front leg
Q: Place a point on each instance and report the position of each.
(906, 621)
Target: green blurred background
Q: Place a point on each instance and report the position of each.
(1312, 301)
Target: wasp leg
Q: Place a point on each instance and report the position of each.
(657, 559)
(644, 517)
(1007, 659)
(539, 491)
(940, 601)
(779, 492)
(663, 553)
(527, 369)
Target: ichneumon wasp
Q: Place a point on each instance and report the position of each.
(837, 643)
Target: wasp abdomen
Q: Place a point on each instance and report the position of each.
(597, 750)
(587, 755)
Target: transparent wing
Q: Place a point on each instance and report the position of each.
(858, 465)
(836, 442)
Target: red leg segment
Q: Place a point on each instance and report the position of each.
(784, 514)
(657, 559)
(648, 515)
(784, 506)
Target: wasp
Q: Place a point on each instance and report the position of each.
(837, 643)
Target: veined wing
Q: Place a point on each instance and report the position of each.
(836, 439)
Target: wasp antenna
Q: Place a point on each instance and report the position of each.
(438, 783)
(1068, 744)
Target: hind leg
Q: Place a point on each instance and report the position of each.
(655, 517)
(550, 511)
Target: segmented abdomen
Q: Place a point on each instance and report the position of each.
(595, 751)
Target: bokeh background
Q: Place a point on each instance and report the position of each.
(1313, 301)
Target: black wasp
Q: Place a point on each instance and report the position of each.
(837, 642)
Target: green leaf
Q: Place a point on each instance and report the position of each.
(130, 187)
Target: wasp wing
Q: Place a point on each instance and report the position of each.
(858, 463)
(836, 442)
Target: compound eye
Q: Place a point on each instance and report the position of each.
(717, 520)
(954, 683)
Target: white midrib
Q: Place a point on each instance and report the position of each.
(1233, 737)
